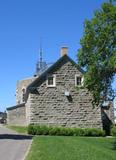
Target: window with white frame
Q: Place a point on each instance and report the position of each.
(78, 80)
(51, 80)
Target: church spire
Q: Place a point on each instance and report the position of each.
(41, 65)
(41, 52)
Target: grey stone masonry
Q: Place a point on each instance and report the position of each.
(50, 105)
(22, 85)
(16, 115)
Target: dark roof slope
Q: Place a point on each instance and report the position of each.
(14, 107)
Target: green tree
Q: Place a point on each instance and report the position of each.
(98, 53)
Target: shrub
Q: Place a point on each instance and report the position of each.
(32, 129)
(62, 131)
(69, 132)
(94, 132)
(42, 130)
(113, 131)
(54, 131)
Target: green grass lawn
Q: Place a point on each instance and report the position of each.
(19, 129)
(72, 148)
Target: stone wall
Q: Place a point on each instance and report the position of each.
(27, 105)
(16, 115)
(50, 106)
(22, 84)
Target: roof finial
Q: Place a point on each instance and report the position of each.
(41, 52)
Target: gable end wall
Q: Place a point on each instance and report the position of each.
(50, 106)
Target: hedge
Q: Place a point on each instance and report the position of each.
(63, 131)
(113, 131)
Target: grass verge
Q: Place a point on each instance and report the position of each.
(19, 129)
(72, 148)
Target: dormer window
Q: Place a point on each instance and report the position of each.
(51, 80)
(78, 80)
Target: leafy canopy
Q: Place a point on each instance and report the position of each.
(98, 53)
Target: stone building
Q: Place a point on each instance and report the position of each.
(21, 89)
(57, 97)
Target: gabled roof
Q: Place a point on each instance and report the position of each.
(52, 68)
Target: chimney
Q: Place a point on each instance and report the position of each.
(64, 51)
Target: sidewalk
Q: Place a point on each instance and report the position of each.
(13, 146)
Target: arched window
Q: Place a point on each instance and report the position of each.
(23, 94)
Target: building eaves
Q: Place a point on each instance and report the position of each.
(16, 106)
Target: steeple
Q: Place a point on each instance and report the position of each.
(41, 65)
(41, 52)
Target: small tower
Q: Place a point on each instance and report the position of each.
(41, 65)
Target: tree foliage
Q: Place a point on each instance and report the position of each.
(98, 52)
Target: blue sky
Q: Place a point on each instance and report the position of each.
(23, 22)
